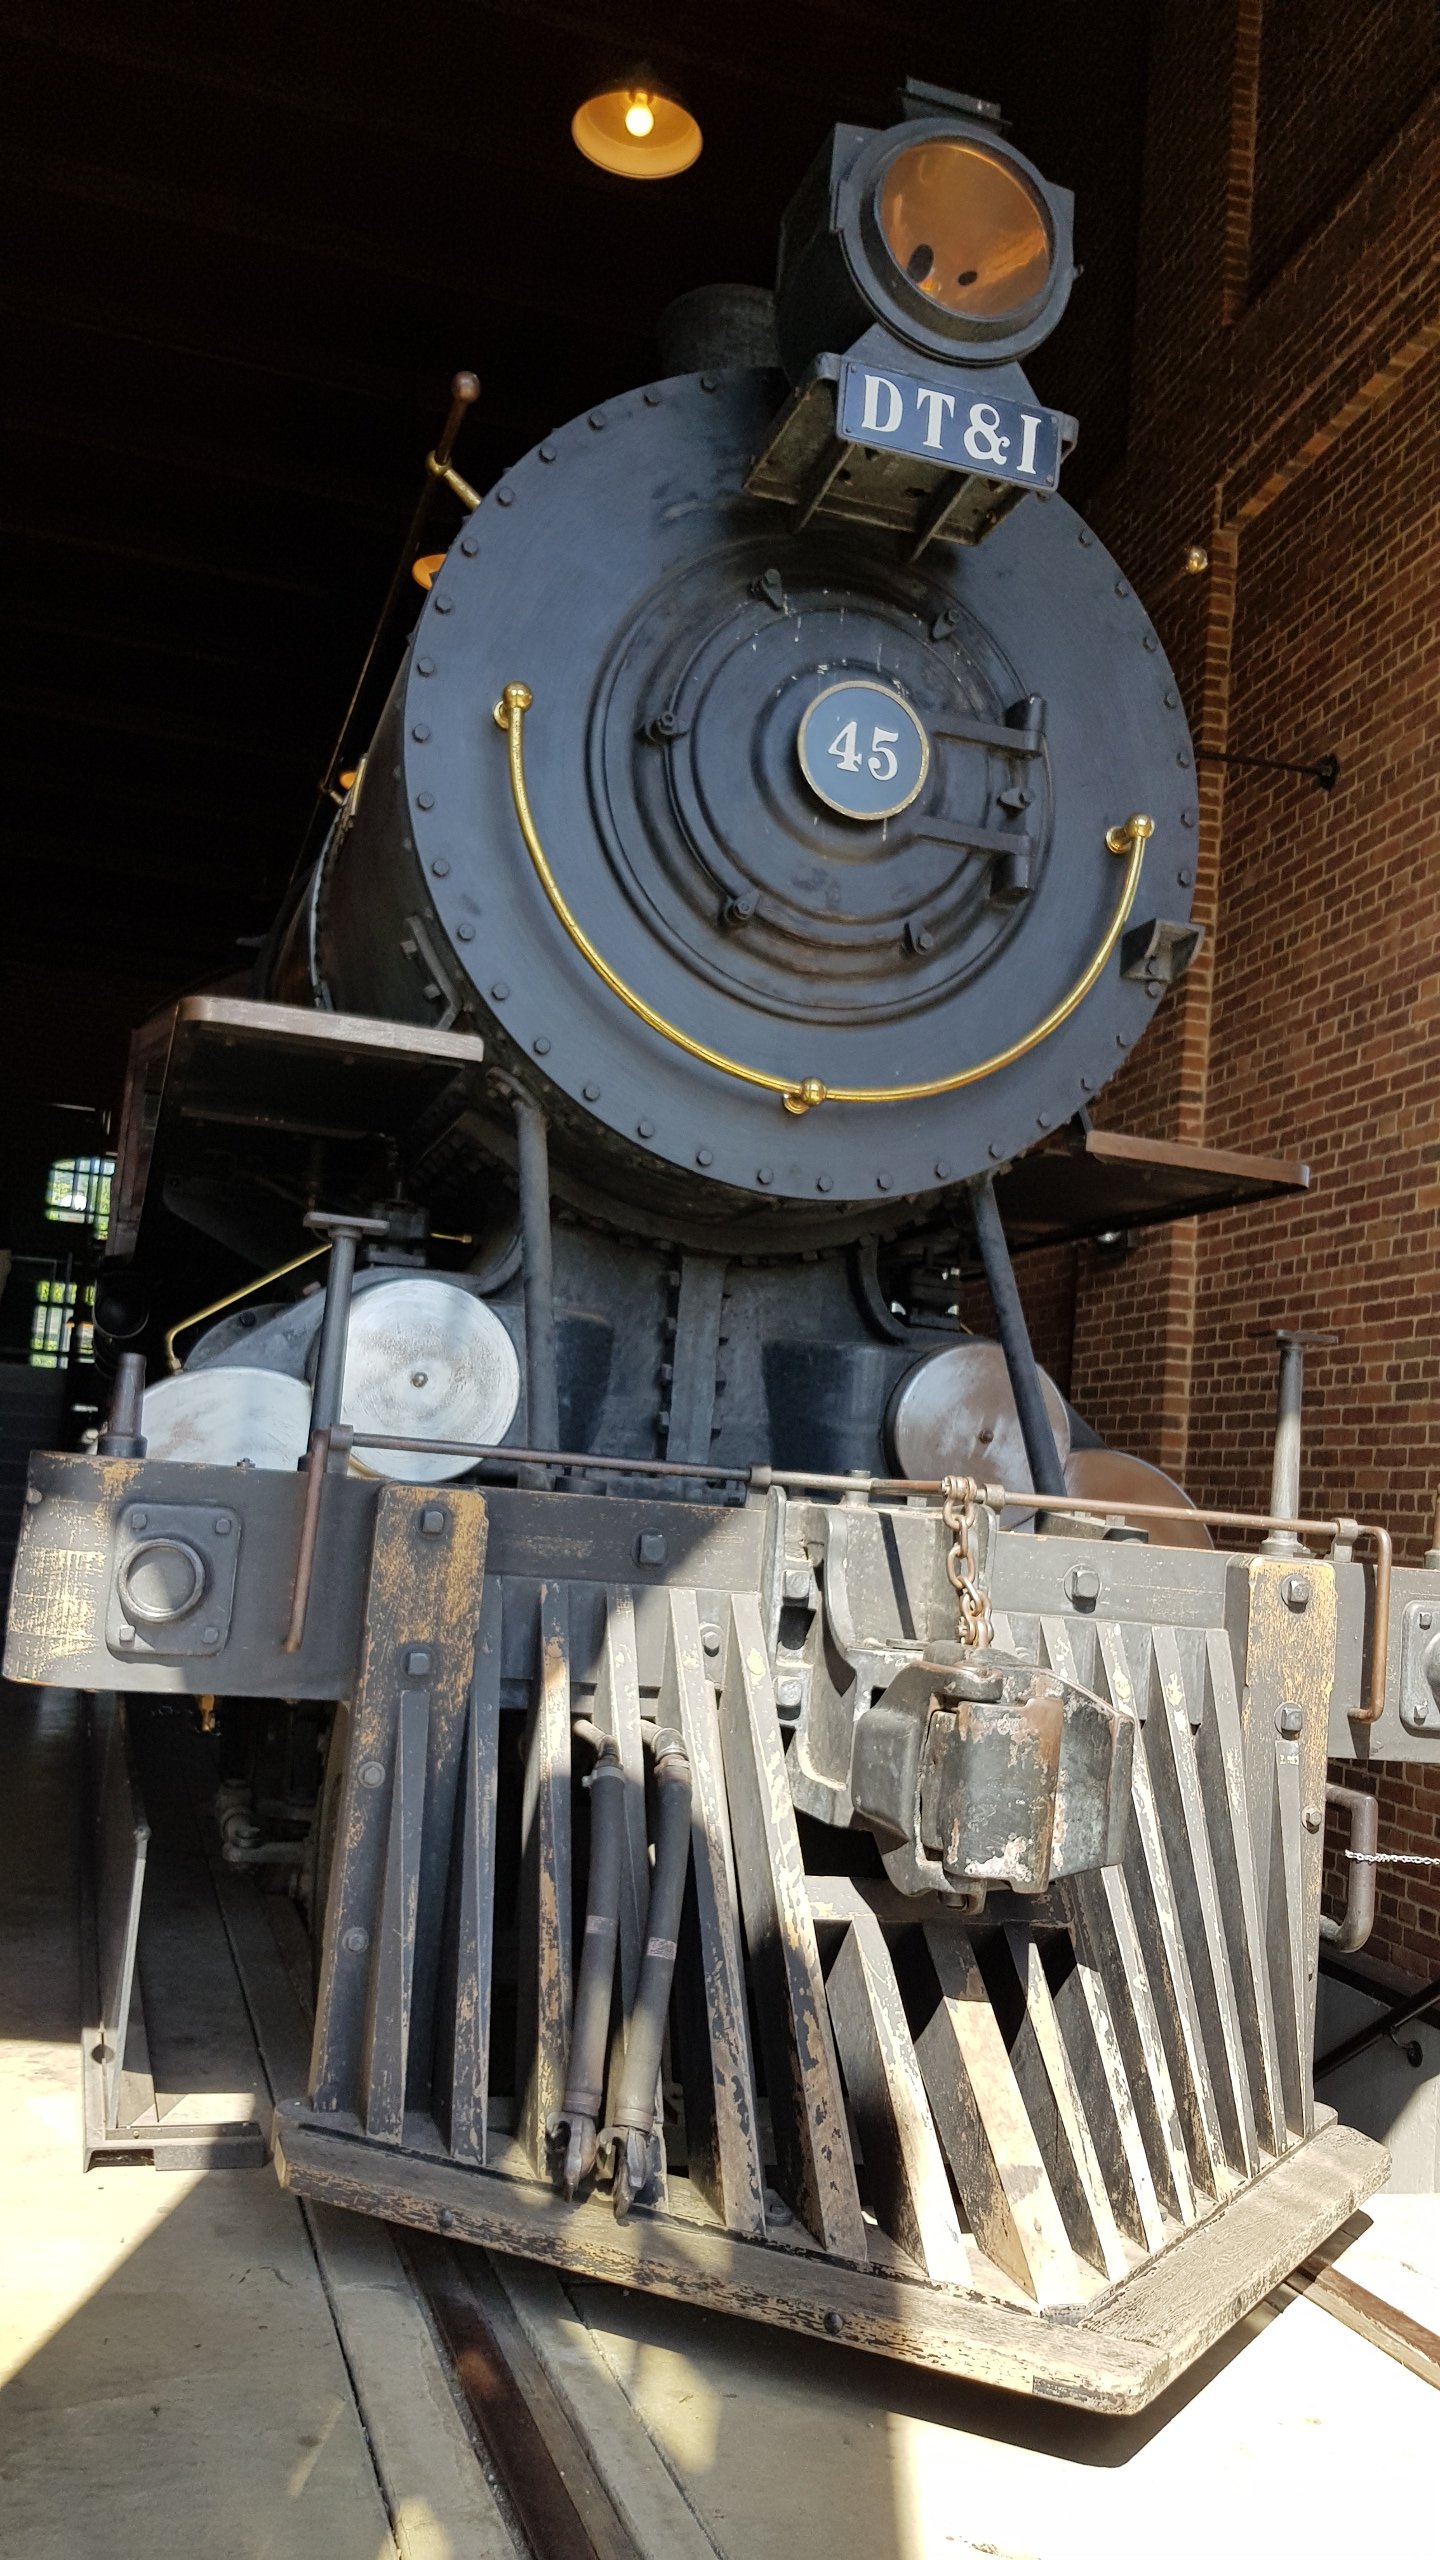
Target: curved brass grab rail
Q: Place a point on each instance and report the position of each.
(802, 1093)
(217, 1306)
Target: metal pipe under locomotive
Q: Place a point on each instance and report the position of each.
(796, 1831)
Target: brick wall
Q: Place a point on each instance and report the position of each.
(1286, 415)
(1335, 80)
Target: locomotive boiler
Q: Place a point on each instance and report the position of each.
(796, 1823)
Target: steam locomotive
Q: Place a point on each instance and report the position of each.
(796, 1823)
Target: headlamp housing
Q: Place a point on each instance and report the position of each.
(936, 230)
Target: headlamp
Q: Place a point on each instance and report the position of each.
(937, 231)
(965, 229)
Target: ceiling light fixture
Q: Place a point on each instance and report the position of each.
(637, 128)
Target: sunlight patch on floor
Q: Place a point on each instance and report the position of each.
(62, 2235)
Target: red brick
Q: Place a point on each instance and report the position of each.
(1286, 414)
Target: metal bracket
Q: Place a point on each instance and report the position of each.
(811, 469)
(439, 986)
(172, 1587)
(1420, 1669)
(1158, 954)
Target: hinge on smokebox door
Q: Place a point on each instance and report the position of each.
(418, 944)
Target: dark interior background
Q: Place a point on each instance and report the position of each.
(245, 250)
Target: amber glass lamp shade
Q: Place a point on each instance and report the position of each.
(965, 229)
(636, 130)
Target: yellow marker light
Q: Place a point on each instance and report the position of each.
(637, 129)
(427, 568)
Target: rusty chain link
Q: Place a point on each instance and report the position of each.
(962, 1498)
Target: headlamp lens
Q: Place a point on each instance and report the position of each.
(965, 228)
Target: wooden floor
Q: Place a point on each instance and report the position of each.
(193, 2363)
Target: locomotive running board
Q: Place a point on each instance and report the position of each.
(1114, 2359)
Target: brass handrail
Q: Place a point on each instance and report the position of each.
(758, 1479)
(799, 1094)
(233, 1297)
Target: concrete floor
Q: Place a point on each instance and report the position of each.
(1295, 2437)
(173, 2375)
(194, 2363)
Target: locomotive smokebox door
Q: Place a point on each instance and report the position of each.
(786, 870)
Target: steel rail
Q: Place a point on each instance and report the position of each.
(543, 2466)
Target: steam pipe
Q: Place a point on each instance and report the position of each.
(579, 2115)
(464, 392)
(542, 1393)
(345, 1236)
(1343, 1936)
(122, 1436)
(1046, 1473)
(1285, 1451)
(634, 2116)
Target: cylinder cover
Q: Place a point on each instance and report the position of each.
(425, 1360)
(228, 1417)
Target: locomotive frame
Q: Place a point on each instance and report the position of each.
(1131, 2129)
(882, 1902)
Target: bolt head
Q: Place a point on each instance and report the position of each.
(125, 1635)
(139, 1519)
(1289, 1721)
(797, 1582)
(710, 1636)
(432, 1521)
(33, 1495)
(417, 1662)
(1083, 1584)
(222, 1524)
(788, 1691)
(372, 1773)
(650, 1547)
(1312, 1817)
(355, 1941)
(209, 1635)
(1424, 1617)
(1295, 1591)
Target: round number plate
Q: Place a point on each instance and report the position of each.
(863, 750)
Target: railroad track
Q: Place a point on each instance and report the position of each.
(573, 2471)
(555, 2499)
